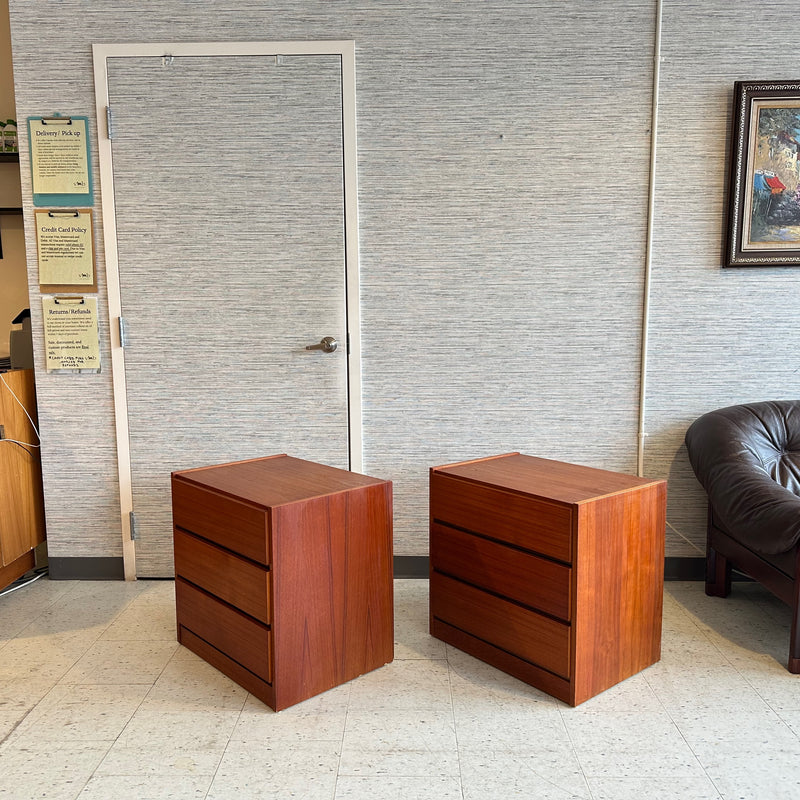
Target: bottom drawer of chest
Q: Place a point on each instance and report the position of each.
(236, 635)
(534, 637)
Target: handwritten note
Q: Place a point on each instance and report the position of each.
(71, 334)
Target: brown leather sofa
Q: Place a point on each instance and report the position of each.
(747, 458)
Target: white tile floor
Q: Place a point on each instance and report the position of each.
(99, 702)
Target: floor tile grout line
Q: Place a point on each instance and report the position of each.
(682, 734)
(224, 750)
(453, 717)
(17, 724)
(702, 633)
(43, 611)
(132, 715)
(561, 708)
(147, 693)
(341, 746)
(57, 681)
(756, 691)
(728, 660)
(60, 599)
(758, 603)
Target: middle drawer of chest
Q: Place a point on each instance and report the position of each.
(241, 583)
(538, 583)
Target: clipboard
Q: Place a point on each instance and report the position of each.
(71, 338)
(60, 161)
(65, 243)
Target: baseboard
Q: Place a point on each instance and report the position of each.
(112, 569)
(411, 567)
(675, 568)
(681, 568)
(86, 569)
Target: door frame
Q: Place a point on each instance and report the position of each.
(101, 53)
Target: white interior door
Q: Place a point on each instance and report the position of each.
(231, 243)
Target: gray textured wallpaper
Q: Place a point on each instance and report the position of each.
(717, 336)
(503, 181)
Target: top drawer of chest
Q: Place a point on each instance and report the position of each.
(538, 525)
(231, 523)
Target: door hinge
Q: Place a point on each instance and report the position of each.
(109, 123)
(134, 527)
(123, 332)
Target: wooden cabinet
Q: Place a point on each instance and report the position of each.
(21, 505)
(550, 571)
(283, 572)
(9, 158)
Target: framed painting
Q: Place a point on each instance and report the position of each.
(764, 192)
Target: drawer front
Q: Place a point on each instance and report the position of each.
(231, 523)
(531, 523)
(241, 583)
(237, 636)
(526, 634)
(520, 576)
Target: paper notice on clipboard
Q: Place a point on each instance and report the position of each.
(65, 241)
(60, 167)
(71, 334)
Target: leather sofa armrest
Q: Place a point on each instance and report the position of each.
(727, 452)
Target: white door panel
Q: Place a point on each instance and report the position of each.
(229, 211)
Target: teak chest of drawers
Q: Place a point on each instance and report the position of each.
(283, 573)
(549, 571)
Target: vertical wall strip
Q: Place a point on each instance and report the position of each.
(648, 258)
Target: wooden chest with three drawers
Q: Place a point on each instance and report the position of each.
(283, 573)
(550, 571)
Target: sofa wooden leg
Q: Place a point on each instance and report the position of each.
(794, 656)
(718, 574)
(794, 637)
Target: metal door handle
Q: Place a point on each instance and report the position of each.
(328, 344)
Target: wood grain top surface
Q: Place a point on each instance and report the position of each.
(275, 480)
(542, 477)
